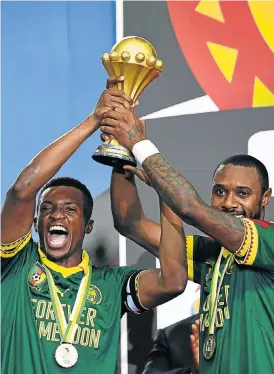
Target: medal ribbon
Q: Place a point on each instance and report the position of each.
(215, 290)
(68, 330)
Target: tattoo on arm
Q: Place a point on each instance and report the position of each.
(173, 188)
(134, 131)
(229, 228)
(184, 200)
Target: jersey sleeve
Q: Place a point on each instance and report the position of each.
(128, 278)
(11, 250)
(199, 249)
(15, 254)
(257, 249)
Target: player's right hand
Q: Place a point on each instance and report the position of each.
(140, 173)
(194, 340)
(111, 98)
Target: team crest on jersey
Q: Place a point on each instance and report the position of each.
(94, 295)
(37, 276)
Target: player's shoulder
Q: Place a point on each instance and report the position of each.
(32, 251)
(102, 270)
(32, 248)
(262, 224)
(259, 230)
(13, 267)
(111, 271)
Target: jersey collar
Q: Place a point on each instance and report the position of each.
(66, 272)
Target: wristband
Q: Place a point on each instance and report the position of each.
(144, 149)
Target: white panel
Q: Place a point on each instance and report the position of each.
(261, 146)
(202, 104)
(119, 20)
(179, 308)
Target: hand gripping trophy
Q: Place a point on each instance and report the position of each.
(136, 59)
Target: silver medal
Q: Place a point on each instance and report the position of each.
(66, 355)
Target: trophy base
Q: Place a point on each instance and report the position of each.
(114, 155)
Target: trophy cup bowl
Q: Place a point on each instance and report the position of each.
(136, 59)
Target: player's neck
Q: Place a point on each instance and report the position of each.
(70, 262)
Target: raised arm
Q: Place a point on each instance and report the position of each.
(18, 210)
(128, 216)
(157, 286)
(170, 185)
(182, 197)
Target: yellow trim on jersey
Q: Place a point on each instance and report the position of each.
(226, 253)
(66, 272)
(189, 255)
(241, 252)
(247, 253)
(11, 249)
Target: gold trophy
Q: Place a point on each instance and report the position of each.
(134, 58)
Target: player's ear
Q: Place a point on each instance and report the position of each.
(89, 226)
(266, 197)
(35, 224)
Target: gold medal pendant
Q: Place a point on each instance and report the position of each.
(209, 347)
(66, 355)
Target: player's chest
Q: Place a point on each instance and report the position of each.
(101, 306)
(217, 279)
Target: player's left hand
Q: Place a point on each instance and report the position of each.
(124, 126)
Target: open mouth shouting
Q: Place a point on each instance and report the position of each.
(57, 239)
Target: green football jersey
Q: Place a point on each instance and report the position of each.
(30, 333)
(244, 326)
